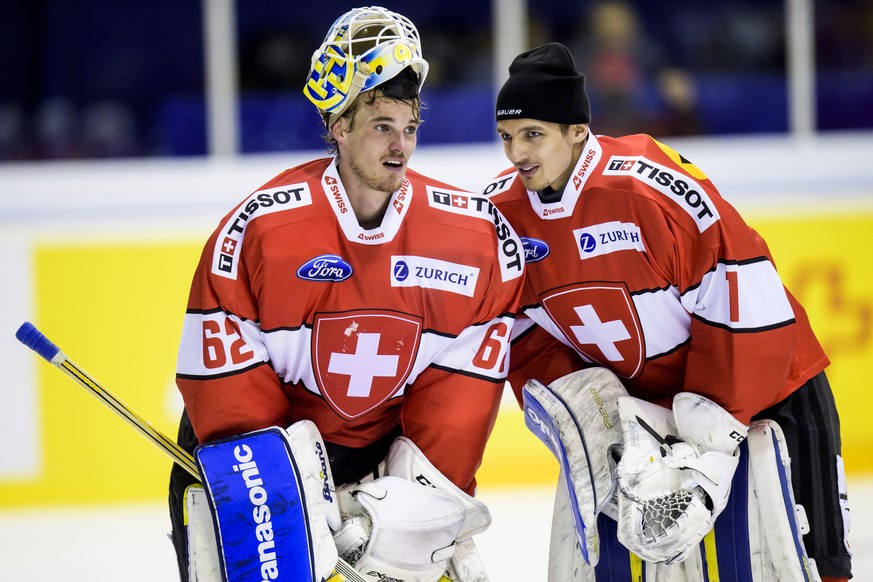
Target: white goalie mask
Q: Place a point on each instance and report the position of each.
(365, 48)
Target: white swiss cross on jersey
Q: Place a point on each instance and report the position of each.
(600, 322)
(363, 358)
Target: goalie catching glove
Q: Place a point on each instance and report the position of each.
(675, 473)
(412, 530)
(404, 526)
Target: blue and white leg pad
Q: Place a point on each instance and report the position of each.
(576, 416)
(270, 505)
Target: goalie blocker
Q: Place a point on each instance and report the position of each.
(756, 539)
(274, 504)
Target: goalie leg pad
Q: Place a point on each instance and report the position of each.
(566, 563)
(274, 504)
(203, 562)
(782, 521)
(466, 564)
(576, 416)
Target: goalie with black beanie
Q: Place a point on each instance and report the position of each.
(635, 263)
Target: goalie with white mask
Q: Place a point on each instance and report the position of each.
(638, 264)
(316, 300)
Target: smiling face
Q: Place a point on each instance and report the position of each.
(544, 153)
(375, 144)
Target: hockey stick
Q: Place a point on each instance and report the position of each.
(38, 342)
(35, 340)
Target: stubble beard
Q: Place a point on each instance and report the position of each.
(373, 180)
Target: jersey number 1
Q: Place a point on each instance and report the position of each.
(733, 295)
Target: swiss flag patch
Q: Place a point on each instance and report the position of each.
(600, 322)
(363, 358)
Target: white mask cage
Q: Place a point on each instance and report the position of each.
(364, 48)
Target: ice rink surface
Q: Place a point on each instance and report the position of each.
(129, 543)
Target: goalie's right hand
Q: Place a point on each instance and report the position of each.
(406, 531)
(408, 524)
(675, 474)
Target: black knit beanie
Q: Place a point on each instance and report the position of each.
(544, 84)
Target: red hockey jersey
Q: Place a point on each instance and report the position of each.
(296, 312)
(642, 267)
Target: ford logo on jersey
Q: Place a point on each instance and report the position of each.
(325, 268)
(534, 249)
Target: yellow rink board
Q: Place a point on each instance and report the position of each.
(116, 309)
